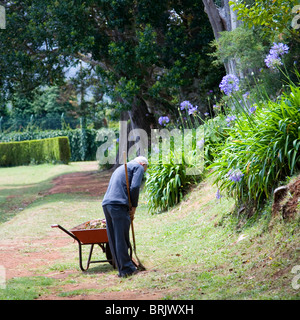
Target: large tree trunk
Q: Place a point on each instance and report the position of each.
(140, 116)
(135, 131)
(222, 19)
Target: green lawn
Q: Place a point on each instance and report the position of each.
(196, 251)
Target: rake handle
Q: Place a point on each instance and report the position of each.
(129, 201)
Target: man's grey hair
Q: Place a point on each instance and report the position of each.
(141, 159)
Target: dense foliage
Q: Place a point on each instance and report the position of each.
(273, 17)
(168, 181)
(144, 53)
(261, 150)
(166, 185)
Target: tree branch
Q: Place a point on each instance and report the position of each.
(214, 17)
(90, 61)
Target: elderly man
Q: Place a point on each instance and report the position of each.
(116, 209)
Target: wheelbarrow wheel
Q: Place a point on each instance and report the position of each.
(109, 256)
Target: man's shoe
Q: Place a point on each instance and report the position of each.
(135, 272)
(126, 275)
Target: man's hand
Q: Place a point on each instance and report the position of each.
(131, 213)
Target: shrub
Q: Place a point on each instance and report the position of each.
(262, 149)
(169, 178)
(34, 151)
(166, 185)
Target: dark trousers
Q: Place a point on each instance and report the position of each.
(117, 225)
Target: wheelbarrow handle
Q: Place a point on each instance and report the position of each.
(66, 231)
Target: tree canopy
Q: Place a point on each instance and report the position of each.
(147, 54)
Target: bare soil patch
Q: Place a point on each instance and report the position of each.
(93, 183)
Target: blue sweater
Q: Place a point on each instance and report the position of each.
(117, 190)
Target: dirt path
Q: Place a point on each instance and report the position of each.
(21, 262)
(90, 182)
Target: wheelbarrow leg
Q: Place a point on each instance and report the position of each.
(79, 246)
(89, 258)
(80, 257)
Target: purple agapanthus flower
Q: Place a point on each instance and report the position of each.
(235, 175)
(185, 105)
(230, 119)
(192, 110)
(156, 149)
(218, 194)
(246, 94)
(229, 84)
(273, 60)
(200, 144)
(252, 109)
(163, 120)
(279, 49)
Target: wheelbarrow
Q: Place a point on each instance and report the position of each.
(90, 237)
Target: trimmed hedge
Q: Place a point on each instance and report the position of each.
(83, 142)
(35, 151)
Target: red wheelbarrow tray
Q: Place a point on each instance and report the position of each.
(89, 236)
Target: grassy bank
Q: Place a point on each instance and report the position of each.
(196, 251)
